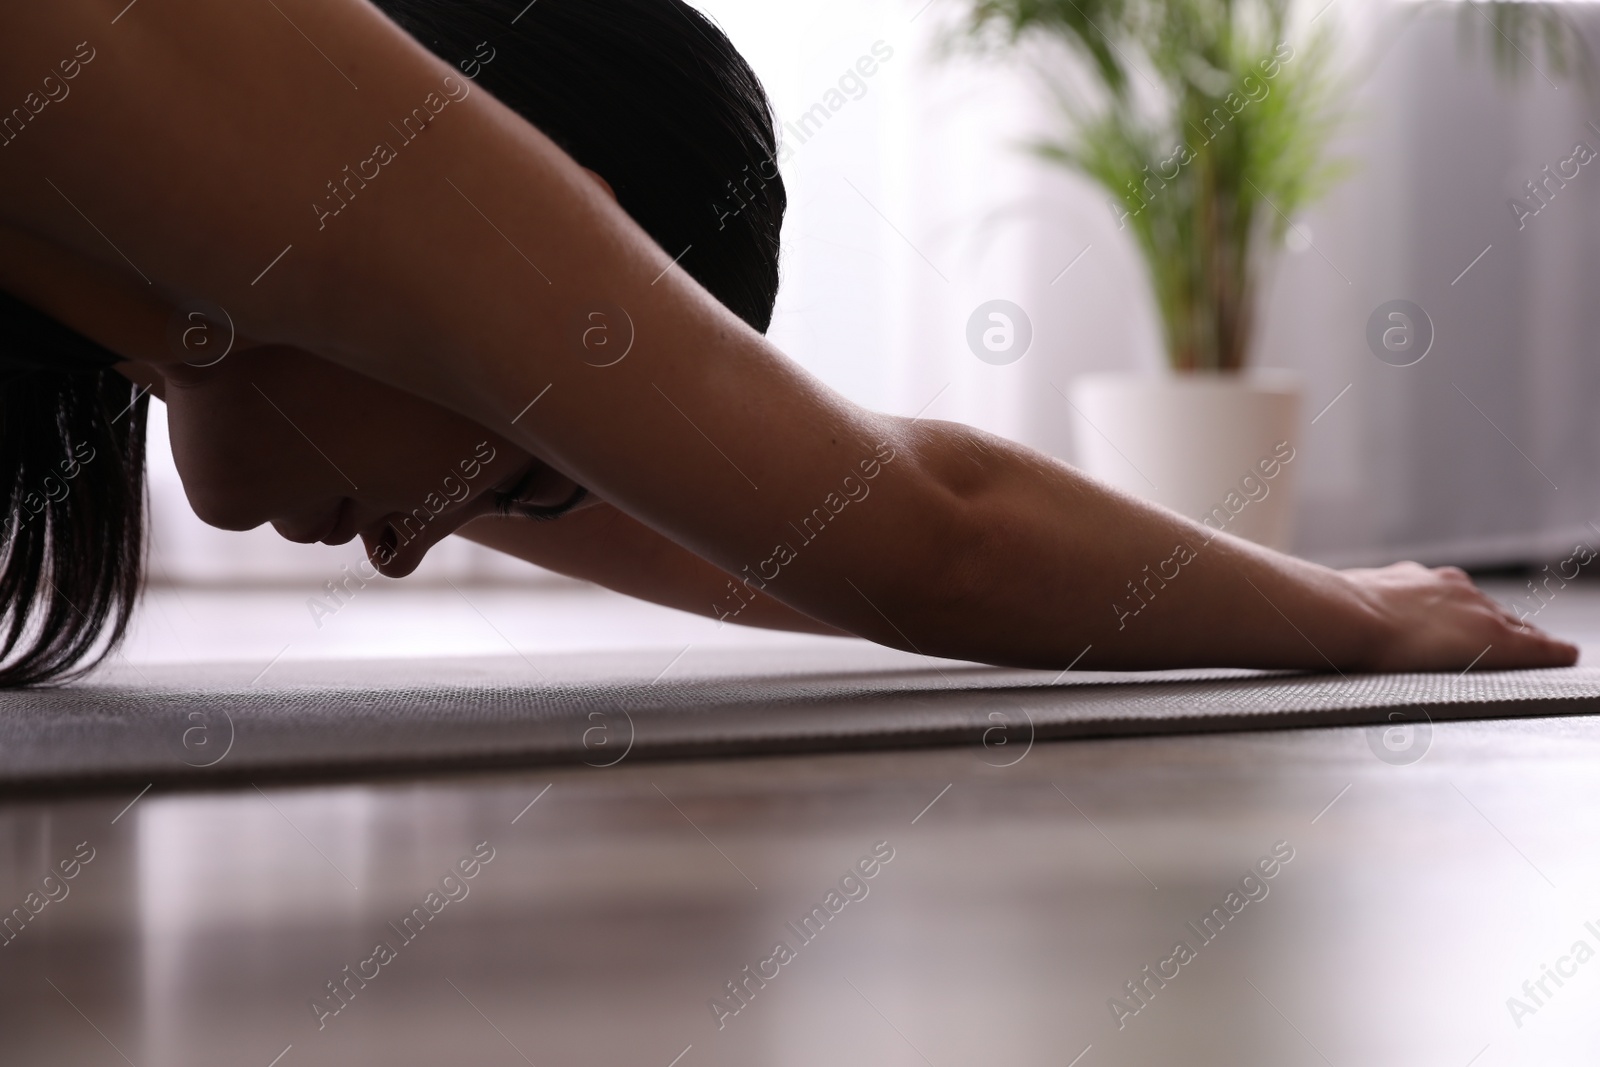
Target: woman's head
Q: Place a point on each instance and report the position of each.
(647, 95)
(652, 97)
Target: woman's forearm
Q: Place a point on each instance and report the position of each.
(1057, 565)
(1052, 566)
(605, 546)
(1178, 580)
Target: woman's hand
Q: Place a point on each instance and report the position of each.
(1435, 619)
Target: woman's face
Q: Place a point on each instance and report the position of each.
(277, 435)
(272, 434)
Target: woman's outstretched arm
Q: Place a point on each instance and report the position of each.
(310, 168)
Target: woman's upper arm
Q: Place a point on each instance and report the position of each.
(192, 154)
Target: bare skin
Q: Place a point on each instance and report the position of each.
(195, 142)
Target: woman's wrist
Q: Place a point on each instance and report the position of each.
(1365, 629)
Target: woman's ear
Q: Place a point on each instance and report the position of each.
(612, 193)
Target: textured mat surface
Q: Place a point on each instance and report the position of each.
(331, 720)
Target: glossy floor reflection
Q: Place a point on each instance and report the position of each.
(1019, 900)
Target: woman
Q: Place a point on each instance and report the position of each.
(464, 300)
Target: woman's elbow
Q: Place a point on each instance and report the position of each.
(926, 579)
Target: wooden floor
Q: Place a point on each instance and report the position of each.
(1018, 903)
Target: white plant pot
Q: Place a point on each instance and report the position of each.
(1217, 448)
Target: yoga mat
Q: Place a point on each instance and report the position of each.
(214, 724)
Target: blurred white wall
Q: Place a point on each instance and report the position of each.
(1486, 452)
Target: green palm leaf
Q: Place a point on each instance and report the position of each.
(1209, 132)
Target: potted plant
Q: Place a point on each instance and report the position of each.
(1207, 128)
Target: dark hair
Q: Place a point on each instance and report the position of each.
(74, 523)
(649, 94)
(654, 98)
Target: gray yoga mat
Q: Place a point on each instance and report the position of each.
(199, 725)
